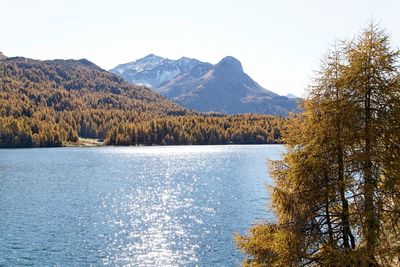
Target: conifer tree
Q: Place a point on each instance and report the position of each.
(337, 188)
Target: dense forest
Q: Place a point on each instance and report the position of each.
(337, 189)
(52, 103)
(199, 130)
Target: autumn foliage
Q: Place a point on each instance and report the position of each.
(337, 189)
(53, 103)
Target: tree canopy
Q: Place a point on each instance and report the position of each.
(337, 189)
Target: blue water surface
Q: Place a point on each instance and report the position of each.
(130, 206)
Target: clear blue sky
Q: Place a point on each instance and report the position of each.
(278, 42)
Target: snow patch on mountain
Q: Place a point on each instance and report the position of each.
(223, 87)
(153, 70)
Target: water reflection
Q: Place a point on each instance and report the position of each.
(151, 224)
(147, 206)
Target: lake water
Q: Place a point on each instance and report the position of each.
(131, 206)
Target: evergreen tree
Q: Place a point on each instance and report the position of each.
(337, 188)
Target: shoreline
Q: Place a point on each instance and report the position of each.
(101, 144)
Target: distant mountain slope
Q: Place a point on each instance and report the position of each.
(58, 102)
(223, 87)
(153, 70)
(51, 103)
(81, 78)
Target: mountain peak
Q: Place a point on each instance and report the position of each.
(152, 57)
(88, 63)
(291, 96)
(228, 66)
(148, 61)
(223, 87)
(153, 70)
(186, 59)
(230, 60)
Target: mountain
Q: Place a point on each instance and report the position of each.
(49, 103)
(153, 70)
(291, 96)
(221, 88)
(55, 102)
(81, 78)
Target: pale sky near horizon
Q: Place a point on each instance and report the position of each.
(279, 43)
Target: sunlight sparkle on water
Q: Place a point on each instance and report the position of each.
(131, 206)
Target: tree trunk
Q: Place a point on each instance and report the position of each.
(371, 223)
(346, 232)
(327, 214)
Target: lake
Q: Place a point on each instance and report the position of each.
(130, 206)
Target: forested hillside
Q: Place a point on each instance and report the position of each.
(47, 103)
(199, 130)
(50, 103)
